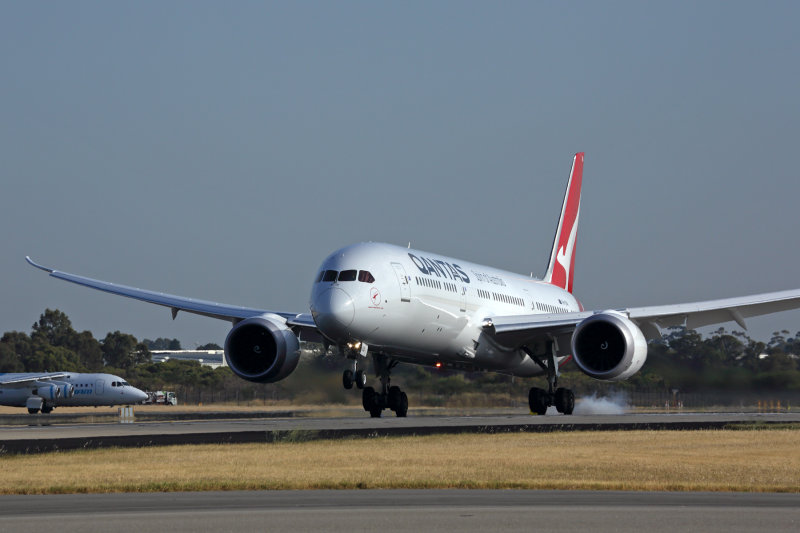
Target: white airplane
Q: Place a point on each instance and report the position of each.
(410, 306)
(47, 390)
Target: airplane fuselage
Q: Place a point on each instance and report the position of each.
(93, 389)
(427, 308)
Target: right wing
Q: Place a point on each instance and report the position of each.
(230, 313)
(522, 329)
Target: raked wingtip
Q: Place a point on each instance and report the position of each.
(40, 267)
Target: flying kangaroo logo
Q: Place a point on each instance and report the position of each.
(564, 256)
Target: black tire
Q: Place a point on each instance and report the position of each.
(375, 412)
(32, 411)
(361, 379)
(47, 409)
(368, 398)
(402, 409)
(537, 401)
(564, 400)
(347, 379)
(395, 397)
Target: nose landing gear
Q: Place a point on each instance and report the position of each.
(357, 378)
(354, 376)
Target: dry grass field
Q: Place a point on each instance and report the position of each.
(754, 460)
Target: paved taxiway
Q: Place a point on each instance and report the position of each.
(398, 510)
(37, 438)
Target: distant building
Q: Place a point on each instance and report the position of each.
(212, 358)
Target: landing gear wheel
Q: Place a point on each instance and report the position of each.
(368, 399)
(32, 411)
(388, 397)
(361, 379)
(47, 409)
(395, 397)
(564, 401)
(537, 400)
(347, 379)
(402, 408)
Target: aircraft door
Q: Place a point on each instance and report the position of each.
(463, 298)
(402, 279)
(98, 387)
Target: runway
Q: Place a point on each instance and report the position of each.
(43, 438)
(404, 510)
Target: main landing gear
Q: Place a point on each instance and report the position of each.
(539, 399)
(390, 397)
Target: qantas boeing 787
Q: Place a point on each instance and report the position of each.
(401, 305)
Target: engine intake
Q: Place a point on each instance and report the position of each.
(262, 349)
(609, 346)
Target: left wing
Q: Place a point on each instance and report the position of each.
(521, 329)
(25, 379)
(220, 311)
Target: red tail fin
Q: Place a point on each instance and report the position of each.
(562, 257)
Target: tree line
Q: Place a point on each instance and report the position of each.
(682, 359)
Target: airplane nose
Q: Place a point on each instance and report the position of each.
(139, 396)
(334, 312)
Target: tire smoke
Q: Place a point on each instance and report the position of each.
(616, 404)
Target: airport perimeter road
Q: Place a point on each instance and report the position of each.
(393, 511)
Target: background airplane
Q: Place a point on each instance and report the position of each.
(48, 390)
(402, 305)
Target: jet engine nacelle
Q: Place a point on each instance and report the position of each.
(609, 346)
(48, 391)
(67, 390)
(262, 349)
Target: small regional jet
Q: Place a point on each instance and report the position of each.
(408, 306)
(47, 390)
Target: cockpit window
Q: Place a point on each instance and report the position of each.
(365, 276)
(321, 275)
(330, 275)
(347, 275)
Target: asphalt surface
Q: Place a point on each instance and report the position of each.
(411, 510)
(42, 438)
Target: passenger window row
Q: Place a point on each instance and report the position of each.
(432, 283)
(328, 276)
(513, 300)
(546, 308)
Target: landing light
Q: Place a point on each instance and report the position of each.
(438, 364)
(354, 345)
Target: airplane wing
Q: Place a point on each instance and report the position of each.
(25, 379)
(231, 313)
(518, 330)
